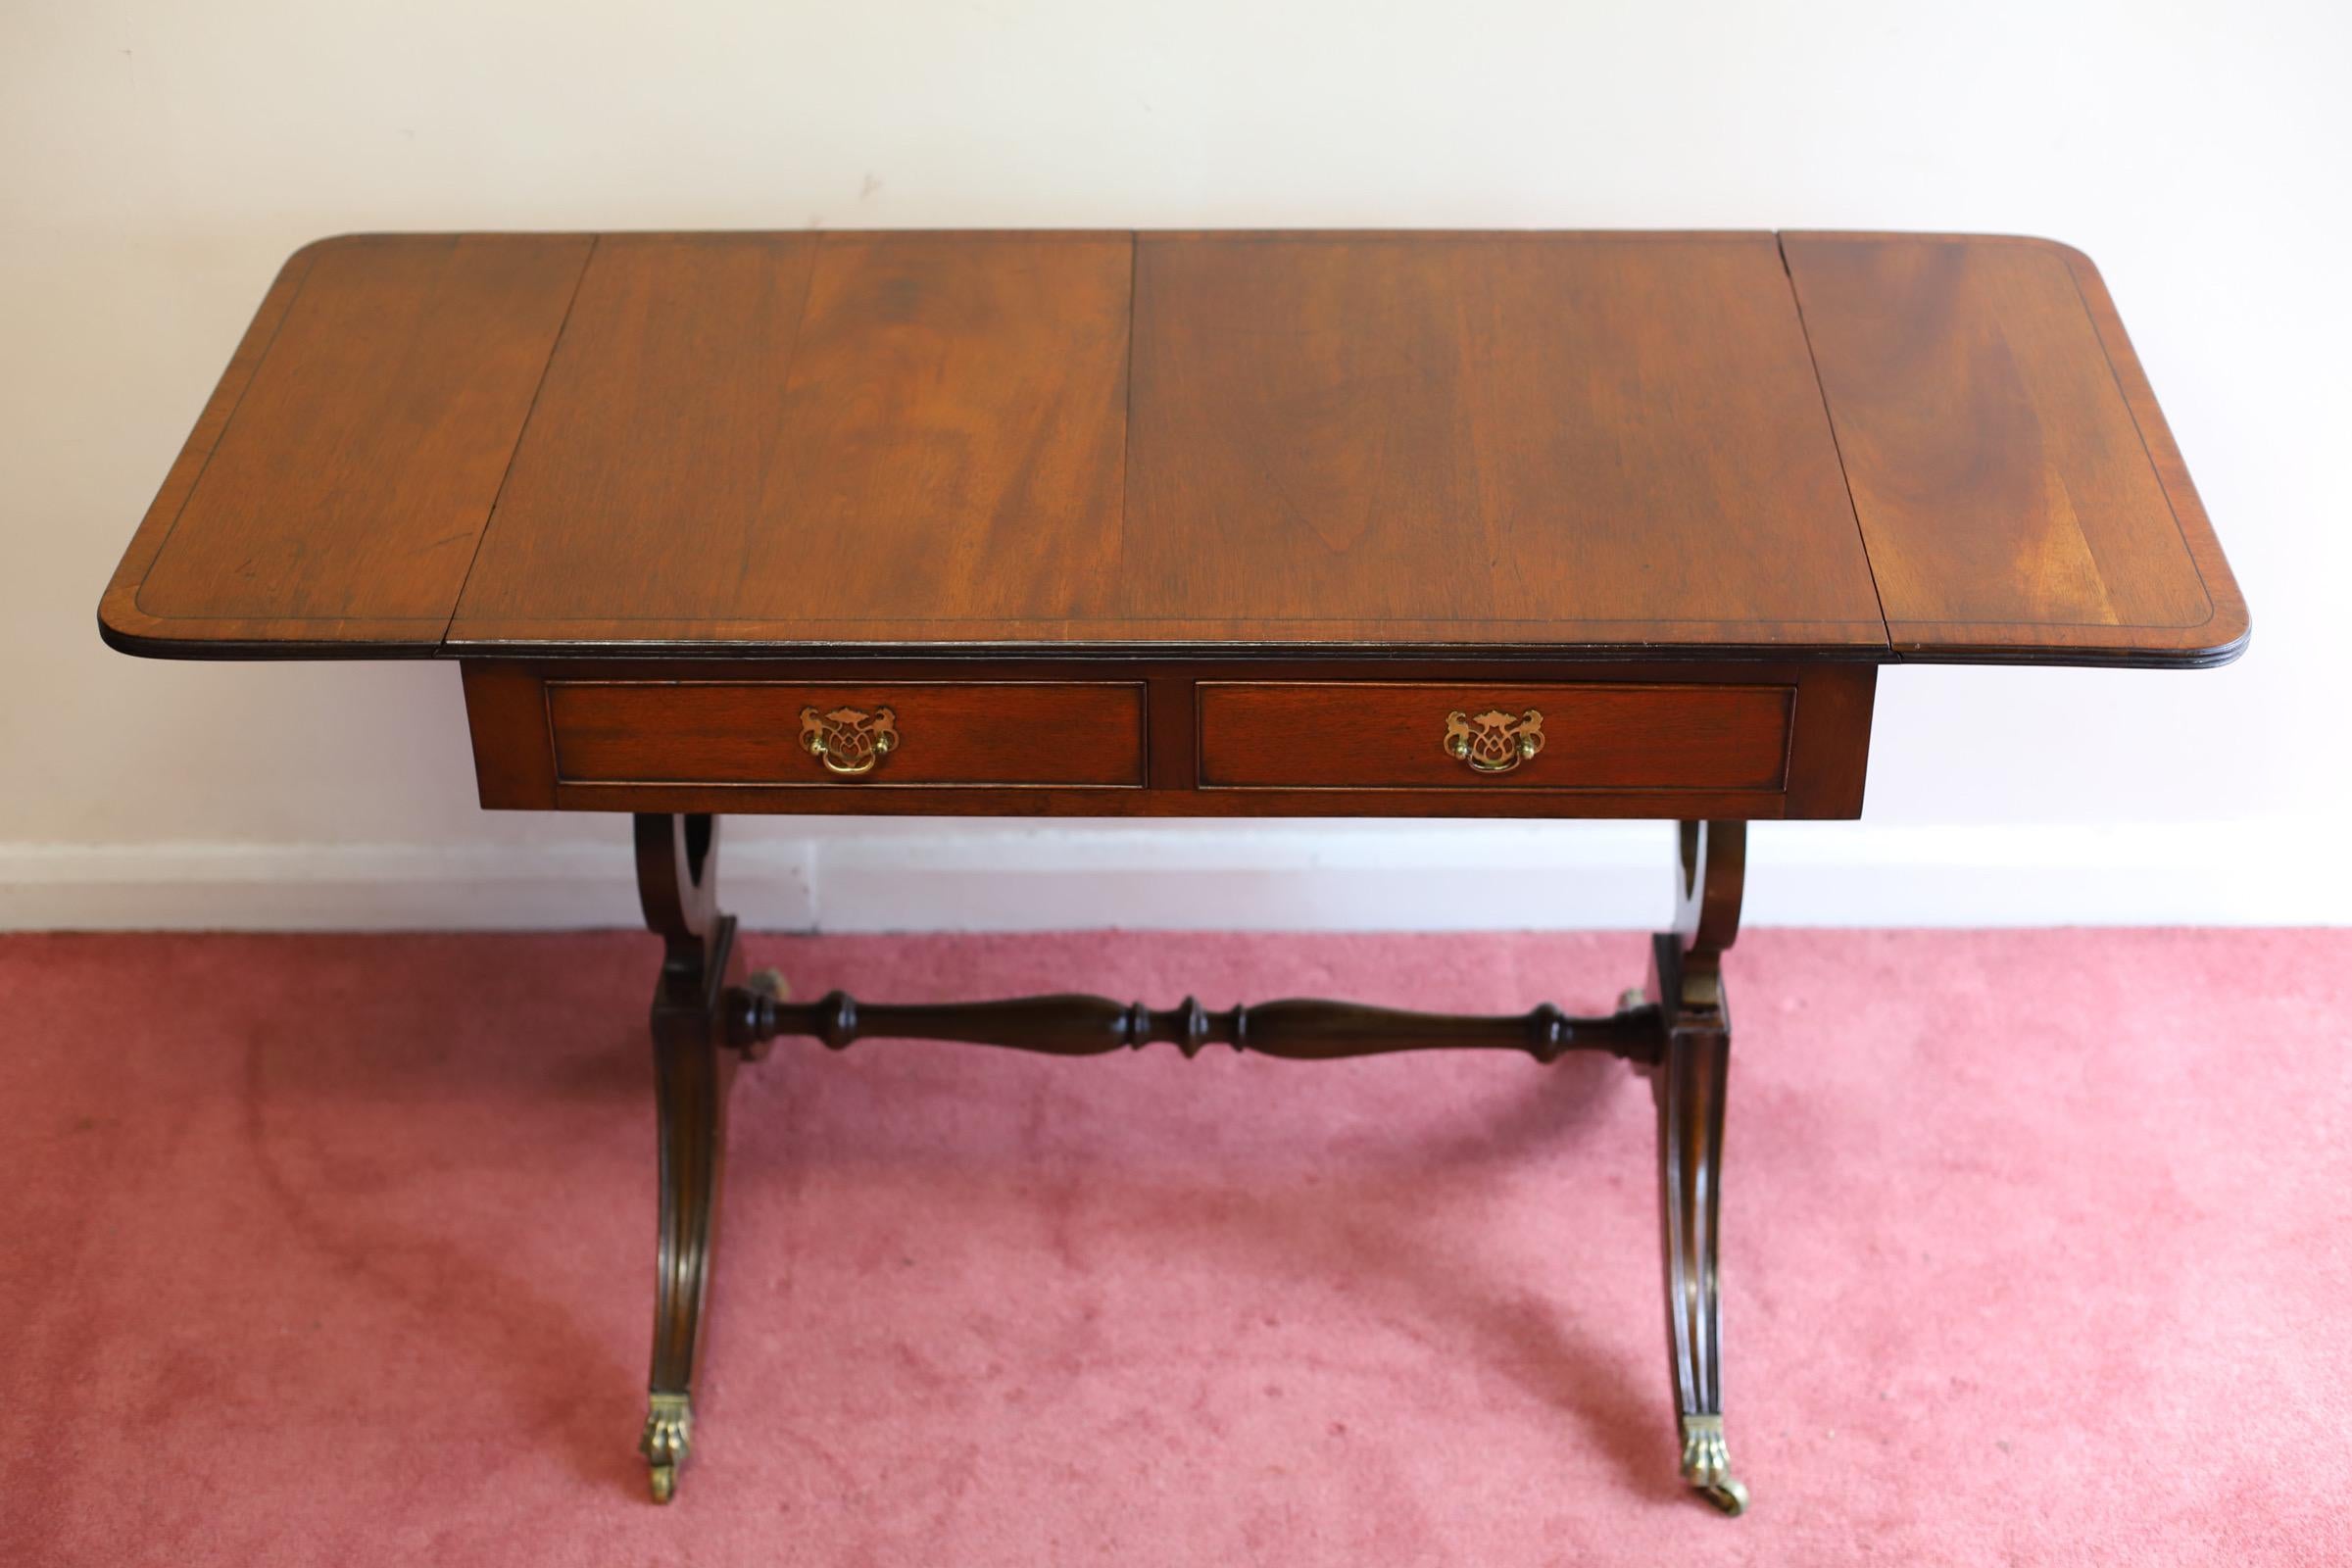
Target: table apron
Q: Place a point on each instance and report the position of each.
(1679, 741)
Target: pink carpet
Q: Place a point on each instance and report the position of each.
(339, 1249)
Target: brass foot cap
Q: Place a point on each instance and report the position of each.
(1707, 1464)
(669, 1433)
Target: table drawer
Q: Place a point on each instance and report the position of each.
(936, 734)
(1553, 736)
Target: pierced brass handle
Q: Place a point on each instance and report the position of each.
(1492, 741)
(850, 741)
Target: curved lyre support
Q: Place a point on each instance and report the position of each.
(678, 882)
(1688, 1084)
(1711, 877)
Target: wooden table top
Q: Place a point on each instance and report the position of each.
(1692, 445)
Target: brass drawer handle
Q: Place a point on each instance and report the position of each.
(850, 741)
(1494, 742)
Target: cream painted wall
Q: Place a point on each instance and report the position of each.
(157, 161)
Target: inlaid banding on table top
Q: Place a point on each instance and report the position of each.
(2015, 482)
(1873, 447)
(334, 493)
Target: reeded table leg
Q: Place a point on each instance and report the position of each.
(1688, 1085)
(677, 874)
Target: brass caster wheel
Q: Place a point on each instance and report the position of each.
(668, 1431)
(770, 983)
(1707, 1464)
(1730, 1498)
(1632, 997)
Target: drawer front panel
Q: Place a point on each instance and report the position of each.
(933, 734)
(1429, 735)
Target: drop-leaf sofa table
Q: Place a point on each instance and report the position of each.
(1181, 524)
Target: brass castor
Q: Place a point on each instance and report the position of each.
(669, 1430)
(1707, 1464)
(1730, 1498)
(1631, 997)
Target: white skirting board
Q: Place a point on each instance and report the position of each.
(1275, 876)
